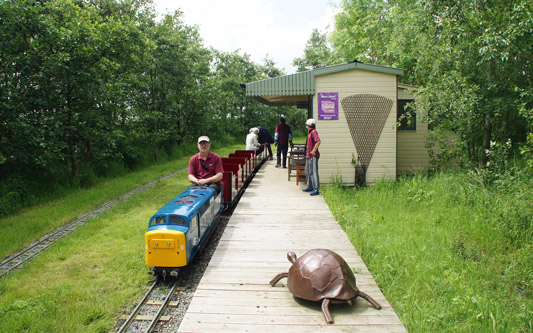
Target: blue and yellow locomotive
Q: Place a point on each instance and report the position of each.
(180, 228)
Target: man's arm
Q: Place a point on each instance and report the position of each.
(192, 172)
(216, 178)
(193, 179)
(313, 152)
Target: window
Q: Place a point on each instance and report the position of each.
(176, 220)
(158, 220)
(406, 115)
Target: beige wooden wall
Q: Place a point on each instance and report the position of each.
(413, 156)
(337, 145)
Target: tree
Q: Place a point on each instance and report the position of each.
(475, 59)
(171, 73)
(378, 32)
(90, 87)
(472, 61)
(317, 53)
(59, 89)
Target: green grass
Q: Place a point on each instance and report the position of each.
(83, 282)
(31, 224)
(450, 254)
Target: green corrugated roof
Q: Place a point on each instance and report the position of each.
(295, 84)
(296, 88)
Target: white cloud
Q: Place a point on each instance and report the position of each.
(257, 27)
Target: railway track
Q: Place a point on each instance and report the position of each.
(150, 309)
(190, 276)
(17, 260)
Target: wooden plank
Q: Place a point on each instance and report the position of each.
(282, 226)
(263, 293)
(252, 255)
(308, 212)
(251, 277)
(251, 235)
(273, 217)
(251, 219)
(290, 319)
(299, 246)
(266, 270)
(235, 327)
(215, 288)
(283, 306)
(254, 279)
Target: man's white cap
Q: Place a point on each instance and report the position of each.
(310, 122)
(203, 138)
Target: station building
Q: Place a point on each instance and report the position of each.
(356, 107)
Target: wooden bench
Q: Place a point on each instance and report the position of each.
(300, 171)
(296, 158)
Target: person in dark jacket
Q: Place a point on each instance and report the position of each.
(265, 139)
(282, 136)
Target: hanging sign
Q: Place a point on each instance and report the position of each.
(328, 106)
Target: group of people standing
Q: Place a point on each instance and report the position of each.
(205, 168)
(259, 138)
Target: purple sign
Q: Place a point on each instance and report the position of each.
(328, 106)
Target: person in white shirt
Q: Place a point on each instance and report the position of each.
(252, 142)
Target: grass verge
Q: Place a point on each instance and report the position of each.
(82, 282)
(31, 224)
(449, 253)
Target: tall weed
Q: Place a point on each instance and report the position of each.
(450, 251)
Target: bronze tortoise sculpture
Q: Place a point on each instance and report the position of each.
(322, 275)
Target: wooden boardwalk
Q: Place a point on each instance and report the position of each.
(273, 217)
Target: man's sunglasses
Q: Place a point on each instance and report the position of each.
(204, 166)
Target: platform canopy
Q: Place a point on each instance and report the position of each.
(298, 89)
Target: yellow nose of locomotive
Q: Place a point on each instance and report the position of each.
(165, 248)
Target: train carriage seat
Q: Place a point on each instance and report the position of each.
(252, 156)
(238, 160)
(248, 161)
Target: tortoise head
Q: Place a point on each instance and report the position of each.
(291, 256)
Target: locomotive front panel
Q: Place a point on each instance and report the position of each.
(165, 248)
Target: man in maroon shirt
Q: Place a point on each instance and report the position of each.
(282, 136)
(205, 168)
(311, 158)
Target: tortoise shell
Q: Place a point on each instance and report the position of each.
(320, 274)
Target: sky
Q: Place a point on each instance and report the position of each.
(277, 28)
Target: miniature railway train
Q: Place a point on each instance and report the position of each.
(182, 227)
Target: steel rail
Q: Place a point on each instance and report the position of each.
(137, 308)
(155, 320)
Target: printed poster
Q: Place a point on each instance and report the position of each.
(328, 106)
